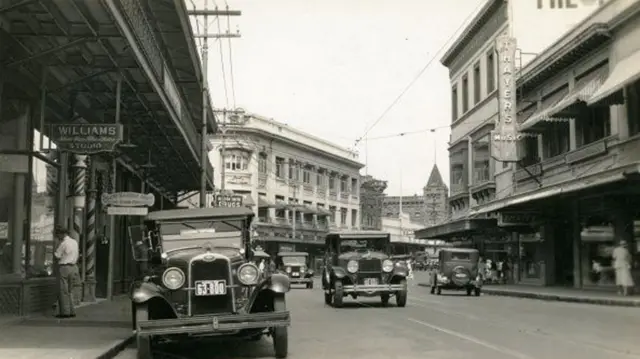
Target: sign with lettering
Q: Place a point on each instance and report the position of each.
(505, 137)
(86, 138)
(127, 211)
(128, 199)
(510, 219)
(225, 200)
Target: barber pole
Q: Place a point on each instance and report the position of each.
(79, 178)
(52, 181)
(90, 239)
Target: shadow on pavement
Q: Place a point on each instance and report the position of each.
(215, 349)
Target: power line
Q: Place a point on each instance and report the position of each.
(224, 72)
(233, 83)
(422, 71)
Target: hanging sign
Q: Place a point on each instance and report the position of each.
(223, 200)
(86, 138)
(505, 137)
(128, 199)
(127, 211)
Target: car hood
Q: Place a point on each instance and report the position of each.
(362, 255)
(183, 256)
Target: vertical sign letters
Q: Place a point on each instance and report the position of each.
(505, 136)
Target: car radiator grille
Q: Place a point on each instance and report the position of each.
(201, 270)
(295, 269)
(370, 265)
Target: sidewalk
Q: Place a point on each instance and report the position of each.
(99, 331)
(550, 293)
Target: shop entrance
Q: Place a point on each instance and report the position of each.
(563, 247)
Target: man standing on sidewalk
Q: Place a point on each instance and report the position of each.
(67, 254)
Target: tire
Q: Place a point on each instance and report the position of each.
(310, 285)
(280, 334)
(384, 299)
(401, 295)
(338, 294)
(469, 291)
(476, 292)
(143, 341)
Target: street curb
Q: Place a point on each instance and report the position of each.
(116, 349)
(556, 298)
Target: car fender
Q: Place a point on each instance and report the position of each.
(142, 292)
(339, 272)
(401, 271)
(279, 283)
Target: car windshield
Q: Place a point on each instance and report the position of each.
(460, 256)
(362, 245)
(194, 233)
(291, 260)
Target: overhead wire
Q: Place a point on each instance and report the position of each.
(421, 72)
(231, 72)
(224, 72)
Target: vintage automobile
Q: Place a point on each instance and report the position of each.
(457, 270)
(201, 283)
(296, 266)
(358, 263)
(263, 260)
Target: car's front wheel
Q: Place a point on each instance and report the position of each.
(338, 294)
(384, 298)
(401, 295)
(310, 285)
(143, 341)
(280, 334)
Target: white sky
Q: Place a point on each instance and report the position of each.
(332, 67)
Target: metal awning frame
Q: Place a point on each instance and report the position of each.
(455, 227)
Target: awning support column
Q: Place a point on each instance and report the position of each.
(111, 188)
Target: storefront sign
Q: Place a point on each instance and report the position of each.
(505, 137)
(14, 163)
(86, 138)
(127, 211)
(128, 199)
(509, 219)
(224, 200)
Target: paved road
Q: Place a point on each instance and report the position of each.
(449, 326)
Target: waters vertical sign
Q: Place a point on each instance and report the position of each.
(504, 138)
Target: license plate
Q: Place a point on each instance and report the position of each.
(371, 281)
(211, 287)
(460, 275)
(295, 274)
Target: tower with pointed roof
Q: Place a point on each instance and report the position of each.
(436, 198)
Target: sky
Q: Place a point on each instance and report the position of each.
(332, 68)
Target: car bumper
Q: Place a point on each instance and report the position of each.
(295, 280)
(360, 288)
(213, 324)
(450, 284)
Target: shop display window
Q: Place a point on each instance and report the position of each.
(597, 240)
(41, 243)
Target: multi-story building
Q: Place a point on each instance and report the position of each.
(573, 195)
(401, 229)
(299, 185)
(371, 200)
(429, 208)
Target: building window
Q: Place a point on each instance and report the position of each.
(531, 153)
(280, 167)
(457, 175)
(354, 217)
(332, 182)
(237, 162)
(306, 176)
(476, 84)
(334, 214)
(343, 185)
(262, 162)
(481, 160)
(280, 212)
(633, 108)
(454, 103)
(294, 170)
(320, 179)
(465, 94)
(593, 125)
(343, 216)
(491, 71)
(354, 185)
(555, 139)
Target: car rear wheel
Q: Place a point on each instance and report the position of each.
(143, 341)
(338, 294)
(401, 295)
(310, 285)
(384, 298)
(280, 334)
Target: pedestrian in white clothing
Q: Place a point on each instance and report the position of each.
(67, 254)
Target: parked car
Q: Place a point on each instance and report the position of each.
(296, 266)
(457, 270)
(201, 281)
(358, 263)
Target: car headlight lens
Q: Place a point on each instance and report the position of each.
(302, 269)
(173, 278)
(387, 265)
(352, 266)
(288, 270)
(248, 274)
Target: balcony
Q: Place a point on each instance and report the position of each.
(238, 180)
(308, 189)
(354, 196)
(321, 192)
(344, 196)
(484, 187)
(322, 226)
(459, 188)
(262, 180)
(279, 221)
(333, 195)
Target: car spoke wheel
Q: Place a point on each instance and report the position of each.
(143, 341)
(401, 295)
(384, 299)
(280, 334)
(338, 294)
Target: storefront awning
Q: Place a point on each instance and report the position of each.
(455, 227)
(623, 73)
(580, 94)
(544, 112)
(247, 200)
(323, 211)
(573, 185)
(265, 203)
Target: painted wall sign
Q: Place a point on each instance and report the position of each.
(127, 211)
(227, 200)
(86, 138)
(128, 199)
(508, 219)
(505, 137)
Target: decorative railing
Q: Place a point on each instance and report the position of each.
(344, 196)
(333, 195)
(262, 180)
(322, 192)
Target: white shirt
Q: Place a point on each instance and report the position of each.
(67, 252)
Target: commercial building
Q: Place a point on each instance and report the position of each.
(68, 98)
(371, 202)
(401, 230)
(300, 186)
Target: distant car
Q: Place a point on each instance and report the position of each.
(457, 270)
(358, 263)
(296, 266)
(202, 282)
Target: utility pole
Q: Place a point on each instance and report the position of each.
(205, 86)
(223, 146)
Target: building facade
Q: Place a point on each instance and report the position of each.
(401, 230)
(371, 202)
(573, 195)
(300, 186)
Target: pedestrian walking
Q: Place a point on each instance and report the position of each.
(482, 269)
(67, 253)
(622, 264)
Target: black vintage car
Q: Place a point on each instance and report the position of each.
(201, 282)
(457, 270)
(358, 263)
(296, 266)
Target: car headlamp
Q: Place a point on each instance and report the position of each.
(248, 274)
(173, 278)
(302, 269)
(288, 269)
(352, 266)
(387, 265)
